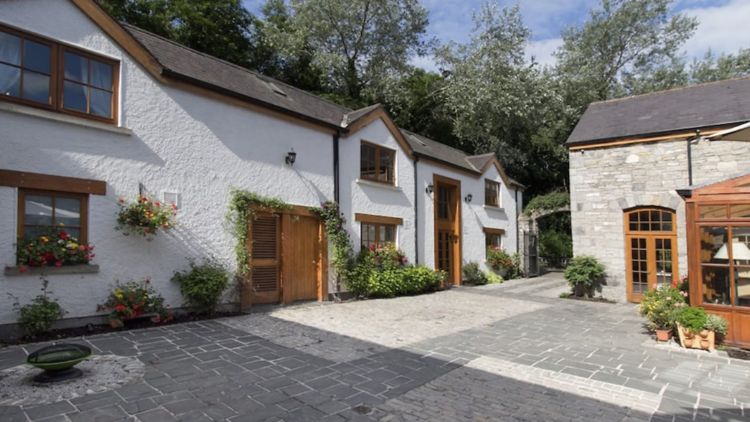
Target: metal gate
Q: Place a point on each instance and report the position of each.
(531, 254)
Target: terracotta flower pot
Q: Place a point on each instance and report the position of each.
(663, 335)
(688, 342)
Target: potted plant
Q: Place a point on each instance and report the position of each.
(145, 217)
(132, 300)
(691, 323)
(500, 260)
(658, 306)
(52, 246)
(718, 325)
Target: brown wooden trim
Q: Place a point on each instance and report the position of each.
(300, 210)
(488, 230)
(378, 149)
(323, 263)
(19, 179)
(84, 213)
(449, 167)
(494, 161)
(498, 199)
(378, 219)
(121, 37)
(380, 113)
(114, 106)
(677, 136)
(456, 226)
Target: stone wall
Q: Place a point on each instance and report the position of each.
(606, 181)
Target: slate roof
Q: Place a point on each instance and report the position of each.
(678, 110)
(182, 62)
(194, 67)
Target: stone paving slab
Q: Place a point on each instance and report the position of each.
(502, 352)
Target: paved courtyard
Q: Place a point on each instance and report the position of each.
(510, 352)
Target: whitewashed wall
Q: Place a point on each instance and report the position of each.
(474, 216)
(358, 196)
(180, 142)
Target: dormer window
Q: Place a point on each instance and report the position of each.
(44, 74)
(377, 163)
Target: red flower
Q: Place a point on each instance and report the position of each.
(144, 199)
(174, 207)
(113, 324)
(148, 281)
(157, 204)
(58, 264)
(147, 230)
(120, 308)
(22, 270)
(63, 235)
(122, 201)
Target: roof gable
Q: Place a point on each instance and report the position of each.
(711, 105)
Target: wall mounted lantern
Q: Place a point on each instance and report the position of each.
(468, 198)
(429, 188)
(291, 157)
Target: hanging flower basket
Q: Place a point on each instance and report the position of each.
(145, 217)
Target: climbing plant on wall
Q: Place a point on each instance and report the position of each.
(243, 207)
(337, 235)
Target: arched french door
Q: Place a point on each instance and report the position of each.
(651, 249)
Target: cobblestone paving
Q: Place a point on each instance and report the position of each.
(510, 352)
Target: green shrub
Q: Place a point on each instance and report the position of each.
(493, 278)
(555, 247)
(37, 317)
(716, 323)
(581, 274)
(498, 258)
(473, 275)
(380, 272)
(516, 269)
(202, 286)
(691, 318)
(659, 304)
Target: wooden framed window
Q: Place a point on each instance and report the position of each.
(491, 193)
(38, 210)
(493, 238)
(374, 234)
(377, 163)
(44, 74)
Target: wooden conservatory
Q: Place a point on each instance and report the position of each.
(718, 235)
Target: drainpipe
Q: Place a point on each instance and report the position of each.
(518, 240)
(416, 213)
(690, 155)
(336, 137)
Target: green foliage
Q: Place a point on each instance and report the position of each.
(498, 258)
(716, 323)
(564, 295)
(493, 278)
(380, 272)
(38, 316)
(215, 27)
(242, 207)
(582, 272)
(691, 318)
(145, 216)
(202, 286)
(473, 275)
(726, 66)
(548, 202)
(133, 299)
(52, 246)
(555, 247)
(335, 224)
(659, 304)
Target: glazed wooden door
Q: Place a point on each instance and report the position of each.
(447, 228)
(300, 277)
(651, 249)
(265, 233)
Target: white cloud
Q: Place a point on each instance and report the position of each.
(724, 29)
(542, 51)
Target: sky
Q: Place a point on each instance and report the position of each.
(723, 24)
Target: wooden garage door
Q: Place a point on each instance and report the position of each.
(300, 277)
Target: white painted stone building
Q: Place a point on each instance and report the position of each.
(634, 164)
(182, 125)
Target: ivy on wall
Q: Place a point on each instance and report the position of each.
(338, 236)
(243, 207)
(549, 202)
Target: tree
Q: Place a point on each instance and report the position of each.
(627, 47)
(500, 103)
(726, 66)
(215, 27)
(361, 44)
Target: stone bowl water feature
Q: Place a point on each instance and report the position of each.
(58, 362)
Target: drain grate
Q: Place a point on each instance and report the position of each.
(362, 409)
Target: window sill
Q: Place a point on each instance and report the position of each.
(65, 269)
(63, 118)
(494, 208)
(379, 185)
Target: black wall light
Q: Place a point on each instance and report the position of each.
(291, 157)
(429, 188)
(468, 198)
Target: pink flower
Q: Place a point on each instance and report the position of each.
(669, 298)
(22, 270)
(58, 264)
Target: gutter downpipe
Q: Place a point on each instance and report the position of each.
(416, 213)
(690, 155)
(518, 236)
(336, 195)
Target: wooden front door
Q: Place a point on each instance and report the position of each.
(448, 228)
(302, 259)
(265, 235)
(651, 250)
